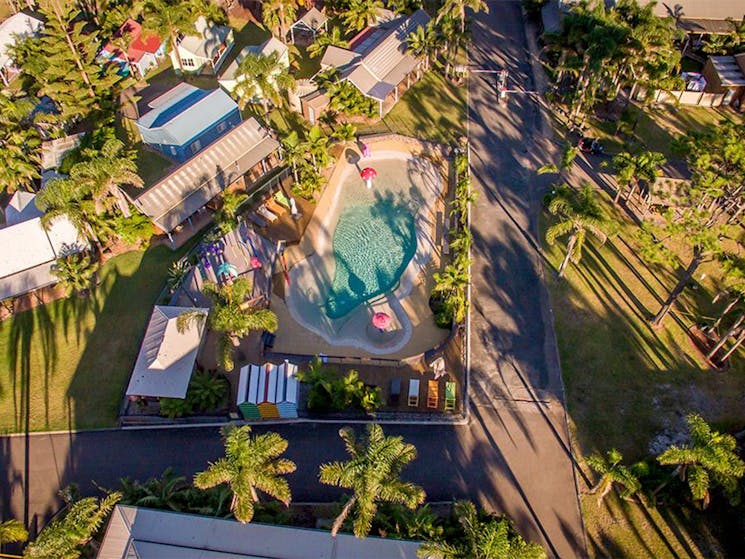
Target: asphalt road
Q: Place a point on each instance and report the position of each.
(513, 457)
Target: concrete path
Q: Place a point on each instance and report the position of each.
(513, 457)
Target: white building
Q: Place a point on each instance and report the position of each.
(204, 52)
(29, 250)
(18, 26)
(228, 80)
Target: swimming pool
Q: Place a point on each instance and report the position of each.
(366, 249)
(373, 244)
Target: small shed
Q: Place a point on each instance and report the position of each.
(268, 391)
(726, 74)
(166, 360)
(310, 24)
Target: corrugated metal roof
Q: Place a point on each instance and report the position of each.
(156, 534)
(387, 63)
(177, 119)
(18, 25)
(208, 41)
(204, 176)
(728, 70)
(166, 359)
(338, 57)
(22, 207)
(313, 19)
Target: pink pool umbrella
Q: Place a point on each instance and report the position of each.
(255, 263)
(381, 320)
(368, 174)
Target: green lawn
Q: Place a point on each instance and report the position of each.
(66, 364)
(625, 382)
(659, 126)
(432, 109)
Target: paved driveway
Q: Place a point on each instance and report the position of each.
(513, 457)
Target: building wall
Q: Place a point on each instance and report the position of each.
(201, 140)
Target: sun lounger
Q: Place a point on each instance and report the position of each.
(256, 220)
(413, 393)
(395, 391)
(433, 393)
(449, 396)
(266, 214)
(272, 206)
(281, 198)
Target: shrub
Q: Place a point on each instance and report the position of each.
(175, 407)
(330, 391)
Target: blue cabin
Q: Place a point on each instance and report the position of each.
(186, 119)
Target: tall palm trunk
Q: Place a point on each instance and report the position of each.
(738, 343)
(725, 337)
(342, 516)
(675, 293)
(570, 249)
(73, 49)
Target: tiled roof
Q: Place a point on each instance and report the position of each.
(204, 176)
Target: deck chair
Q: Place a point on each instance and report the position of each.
(274, 207)
(449, 396)
(256, 220)
(281, 198)
(433, 389)
(413, 393)
(395, 391)
(266, 214)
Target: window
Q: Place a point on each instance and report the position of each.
(221, 127)
(188, 62)
(196, 146)
(173, 150)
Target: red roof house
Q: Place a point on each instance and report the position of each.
(145, 50)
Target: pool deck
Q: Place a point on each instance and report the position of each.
(408, 304)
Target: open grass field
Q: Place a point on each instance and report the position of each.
(65, 364)
(660, 125)
(626, 383)
(433, 109)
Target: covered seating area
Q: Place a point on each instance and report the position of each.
(167, 356)
(308, 26)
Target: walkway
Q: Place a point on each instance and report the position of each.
(513, 457)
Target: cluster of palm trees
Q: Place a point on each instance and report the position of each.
(598, 51)
(263, 78)
(308, 154)
(707, 461)
(451, 284)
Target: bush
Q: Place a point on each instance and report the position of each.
(329, 391)
(207, 392)
(175, 407)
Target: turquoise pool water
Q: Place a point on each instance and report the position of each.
(372, 245)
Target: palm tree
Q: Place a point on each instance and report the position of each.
(103, 174)
(345, 133)
(250, 463)
(373, 476)
(20, 145)
(612, 471)
(65, 536)
(631, 169)
(578, 213)
(361, 13)
(165, 492)
(451, 284)
(451, 36)
(423, 43)
(710, 459)
(294, 153)
(231, 315)
(171, 18)
(277, 15)
(457, 9)
(568, 154)
(493, 538)
(316, 146)
(63, 197)
(330, 38)
(75, 272)
(262, 77)
(12, 531)
(227, 216)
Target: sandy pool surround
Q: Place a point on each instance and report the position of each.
(412, 181)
